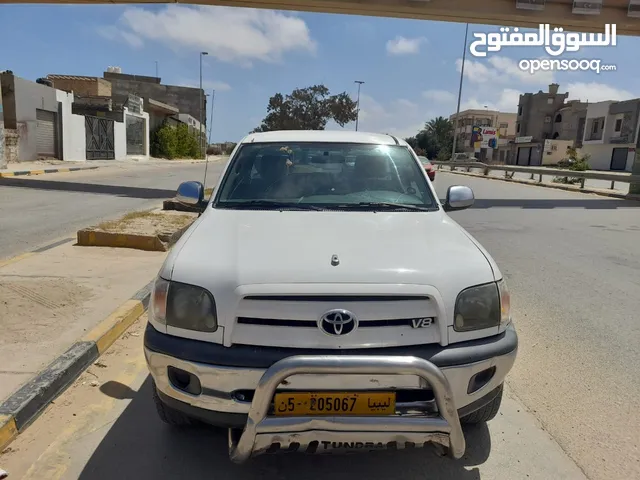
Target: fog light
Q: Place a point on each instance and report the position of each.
(184, 381)
(480, 379)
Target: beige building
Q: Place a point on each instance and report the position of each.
(503, 122)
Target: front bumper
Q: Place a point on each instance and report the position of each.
(226, 374)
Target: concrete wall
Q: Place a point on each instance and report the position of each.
(555, 150)
(629, 110)
(120, 140)
(73, 136)
(84, 86)
(3, 158)
(600, 155)
(186, 99)
(26, 96)
(510, 119)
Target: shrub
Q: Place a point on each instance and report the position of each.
(214, 150)
(174, 142)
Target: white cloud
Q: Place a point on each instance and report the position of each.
(597, 92)
(400, 117)
(504, 100)
(238, 35)
(111, 32)
(501, 70)
(440, 96)
(405, 46)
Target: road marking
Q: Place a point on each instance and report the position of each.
(15, 259)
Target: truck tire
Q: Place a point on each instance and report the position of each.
(486, 413)
(169, 415)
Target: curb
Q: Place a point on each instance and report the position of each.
(19, 410)
(88, 237)
(42, 172)
(559, 186)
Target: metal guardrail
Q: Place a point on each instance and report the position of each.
(540, 171)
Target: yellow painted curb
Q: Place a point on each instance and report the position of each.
(4, 263)
(63, 170)
(8, 430)
(36, 172)
(94, 238)
(110, 329)
(6, 174)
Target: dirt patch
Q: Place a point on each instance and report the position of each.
(149, 223)
(35, 310)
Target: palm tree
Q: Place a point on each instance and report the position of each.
(440, 129)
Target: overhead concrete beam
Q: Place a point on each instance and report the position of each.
(492, 12)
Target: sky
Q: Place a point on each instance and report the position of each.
(411, 68)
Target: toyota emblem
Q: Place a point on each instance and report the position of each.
(338, 322)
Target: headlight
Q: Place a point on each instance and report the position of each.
(184, 306)
(477, 308)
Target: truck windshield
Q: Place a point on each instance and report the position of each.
(325, 175)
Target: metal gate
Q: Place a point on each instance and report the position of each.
(619, 159)
(135, 135)
(46, 134)
(524, 153)
(99, 135)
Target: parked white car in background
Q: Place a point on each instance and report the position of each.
(303, 311)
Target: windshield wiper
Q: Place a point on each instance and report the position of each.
(249, 204)
(383, 206)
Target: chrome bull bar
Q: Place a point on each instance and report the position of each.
(262, 431)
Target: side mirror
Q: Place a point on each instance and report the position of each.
(459, 197)
(190, 193)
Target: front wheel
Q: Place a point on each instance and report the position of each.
(486, 413)
(169, 415)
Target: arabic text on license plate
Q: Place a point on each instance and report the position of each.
(331, 403)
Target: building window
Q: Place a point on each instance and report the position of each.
(519, 110)
(618, 125)
(594, 127)
(550, 100)
(518, 127)
(558, 118)
(504, 125)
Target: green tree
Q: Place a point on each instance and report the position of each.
(440, 130)
(307, 109)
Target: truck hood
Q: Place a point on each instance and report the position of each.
(229, 248)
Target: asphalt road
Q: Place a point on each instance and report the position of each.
(572, 262)
(37, 210)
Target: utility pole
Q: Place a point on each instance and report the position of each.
(359, 82)
(213, 99)
(455, 126)
(202, 54)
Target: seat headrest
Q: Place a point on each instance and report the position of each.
(372, 165)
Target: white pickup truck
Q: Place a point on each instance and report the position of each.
(324, 301)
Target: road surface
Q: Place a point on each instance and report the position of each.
(37, 210)
(572, 263)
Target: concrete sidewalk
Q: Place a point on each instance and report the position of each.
(58, 166)
(52, 298)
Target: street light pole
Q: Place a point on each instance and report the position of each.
(213, 99)
(464, 56)
(201, 103)
(359, 82)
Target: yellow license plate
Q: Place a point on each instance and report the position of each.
(311, 404)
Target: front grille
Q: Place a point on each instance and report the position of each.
(274, 322)
(336, 298)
